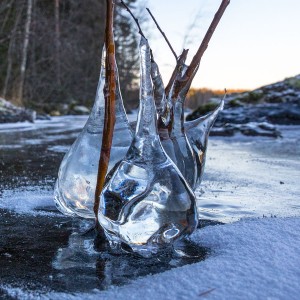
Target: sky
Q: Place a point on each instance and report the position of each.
(257, 42)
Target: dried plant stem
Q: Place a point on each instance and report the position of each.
(110, 96)
(163, 34)
(194, 65)
(134, 18)
(203, 46)
(181, 60)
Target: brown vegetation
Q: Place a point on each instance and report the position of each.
(198, 97)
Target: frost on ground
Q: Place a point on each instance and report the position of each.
(250, 259)
(32, 201)
(256, 258)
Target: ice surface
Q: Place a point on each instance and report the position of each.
(245, 177)
(251, 259)
(253, 177)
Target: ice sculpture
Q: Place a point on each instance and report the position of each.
(163, 108)
(75, 187)
(146, 204)
(185, 157)
(197, 132)
(170, 127)
(188, 150)
(163, 105)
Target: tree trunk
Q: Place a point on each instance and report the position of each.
(57, 42)
(24, 53)
(9, 52)
(6, 18)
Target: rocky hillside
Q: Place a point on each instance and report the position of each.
(259, 111)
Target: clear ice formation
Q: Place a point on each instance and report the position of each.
(163, 108)
(174, 140)
(189, 139)
(146, 204)
(163, 105)
(185, 157)
(74, 192)
(197, 132)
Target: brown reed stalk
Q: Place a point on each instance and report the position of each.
(110, 96)
(203, 46)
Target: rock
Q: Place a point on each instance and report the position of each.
(222, 131)
(249, 129)
(55, 113)
(259, 129)
(63, 108)
(286, 115)
(10, 113)
(80, 110)
(43, 117)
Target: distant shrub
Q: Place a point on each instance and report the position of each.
(251, 97)
(201, 110)
(293, 82)
(234, 103)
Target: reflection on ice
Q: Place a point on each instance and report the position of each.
(79, 257)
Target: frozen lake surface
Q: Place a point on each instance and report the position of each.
(248, 182)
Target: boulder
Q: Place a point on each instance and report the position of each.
(80, 110)
(249, 129)
(10, 113)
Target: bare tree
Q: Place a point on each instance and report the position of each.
(57, 41)
(24, 52)
(57, 44)
(10, 49)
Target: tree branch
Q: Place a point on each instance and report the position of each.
(203, 46)
(163, 34)
(181, 60)
(110, 96)
(193, 67)
(134, 18)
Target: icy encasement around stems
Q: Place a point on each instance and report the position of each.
(174, 141)
(185, 157)
(75, 187)
(163, 108)
(147, 204)
(197, 132)
(163, 105)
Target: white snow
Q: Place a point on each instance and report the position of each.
(28, 201)
(55, 122)
(251, 259)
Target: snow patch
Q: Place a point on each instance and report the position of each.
(251, 259)
(27, 201)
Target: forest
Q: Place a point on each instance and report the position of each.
(50, 52)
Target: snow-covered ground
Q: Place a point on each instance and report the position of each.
(251, 184)
(251, 259)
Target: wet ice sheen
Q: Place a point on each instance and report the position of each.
(75, 187)
(147, 204)
(197, 132)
